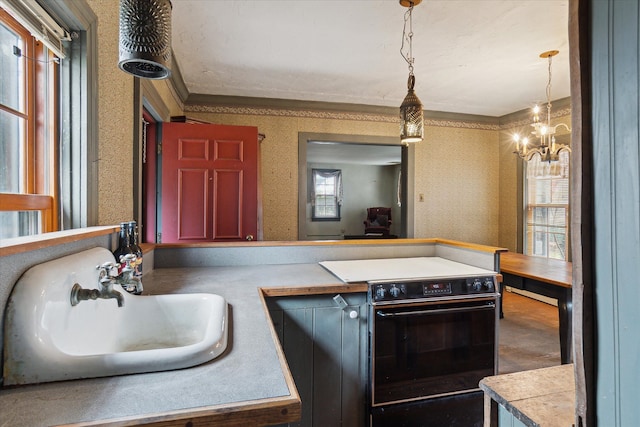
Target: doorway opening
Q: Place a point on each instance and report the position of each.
(375, 171)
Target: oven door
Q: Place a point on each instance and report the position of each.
(431, 348)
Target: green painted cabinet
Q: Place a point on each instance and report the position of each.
(325, 343)
(507, 419)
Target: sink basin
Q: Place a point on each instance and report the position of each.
(48, 339)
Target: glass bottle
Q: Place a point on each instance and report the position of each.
(135, 247)
(124, 245)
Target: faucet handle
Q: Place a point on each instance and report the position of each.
(129, 261)
(106, 268)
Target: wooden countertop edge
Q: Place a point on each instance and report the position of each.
(474, 246)
(360, 242)
(289, 291)
(252, 412)
(534, 277)
(31, 243)
(268, 243)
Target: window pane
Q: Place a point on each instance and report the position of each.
(11, 70)
(17, 224)
(326, 190)
(547, 187)
(11, 153)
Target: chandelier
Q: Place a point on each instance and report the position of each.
(544, 133)
(411, 114)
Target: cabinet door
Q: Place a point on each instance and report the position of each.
(326, 349)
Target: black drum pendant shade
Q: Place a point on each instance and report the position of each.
(145, 38)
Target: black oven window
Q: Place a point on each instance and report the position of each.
(445, 349)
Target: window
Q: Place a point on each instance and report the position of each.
(547, 207)
(326, 194)
(48, 116)
(28, 118)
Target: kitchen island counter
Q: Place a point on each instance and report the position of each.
(249, 384)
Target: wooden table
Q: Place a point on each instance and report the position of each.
(544, 276)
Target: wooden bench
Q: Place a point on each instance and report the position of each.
(543, 276)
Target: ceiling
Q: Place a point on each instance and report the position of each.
(471, 56)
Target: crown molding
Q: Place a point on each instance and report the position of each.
(177, 81)
(218, 104)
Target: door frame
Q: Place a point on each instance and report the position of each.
(407, 167)
(145, 97)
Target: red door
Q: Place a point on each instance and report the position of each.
(209, 182)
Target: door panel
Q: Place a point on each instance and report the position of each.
(209, 182)
(227, 205)
(193, 204)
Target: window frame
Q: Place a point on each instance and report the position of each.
(337, 190)
(551, 171)
(39, 186)
(77, 143)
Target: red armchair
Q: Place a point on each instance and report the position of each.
(378, 221)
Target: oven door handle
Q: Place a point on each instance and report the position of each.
(490, 306)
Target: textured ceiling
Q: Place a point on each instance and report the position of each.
(471, 56)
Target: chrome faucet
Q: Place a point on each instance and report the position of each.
(106, 291)
(107, 279)
(126, 278)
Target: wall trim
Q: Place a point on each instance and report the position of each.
(438, 119)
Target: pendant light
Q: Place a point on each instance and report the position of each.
(411, 114)
(145, 38)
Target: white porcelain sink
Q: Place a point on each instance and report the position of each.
(48, 339)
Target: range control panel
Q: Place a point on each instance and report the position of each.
(407, 290)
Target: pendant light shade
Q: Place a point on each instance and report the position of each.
(411, 116)
(145, 38)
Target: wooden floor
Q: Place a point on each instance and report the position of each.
(528, 334)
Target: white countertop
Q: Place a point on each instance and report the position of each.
(400, 269)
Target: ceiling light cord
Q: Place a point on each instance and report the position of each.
(408, 38)
(549, 93)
